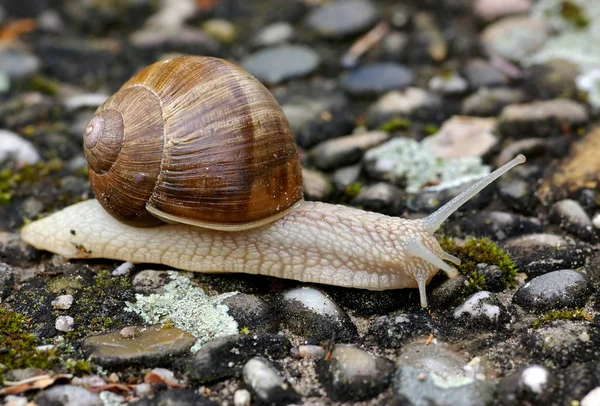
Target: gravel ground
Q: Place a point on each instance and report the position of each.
(396, 108)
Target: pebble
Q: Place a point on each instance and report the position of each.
(151, 345)
(592, 398)
(404, 102)
(343, 18)
(12, 400)
(451, 83)
(444, 294)
(242, 397)
(150, 281)
(7, 279)
(160, 40)
(18, 65)
(68, 395)
(221, 30)
(274, 34)
(490, 102)
(224, 357)
(596, 221)
(514, 38)
(393, 331)
(376, 79)
(62, 302)
(15, 148)
(124, 269)
(463, 136)
(570, 216)
(581, 170)
(275, 65)
(352, 374)
(482, 308)
(87, 100)
(64, 323)
(422, 387)
(267, 383)
(536, 254)
(564, 342)
(490, 10)
(309, 313)
(561, 110)
(564, 289)
(251, 312)
(316, 185)
(518, 190)
(346, 176)
(177, 396)
(493, 276)
(310, 351)
(481, 73)
(381, 197)
(589, 82)
(553, 79)
(500, 225)
(346, 150)
(531, 385)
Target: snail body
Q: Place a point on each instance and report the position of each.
(254, 222)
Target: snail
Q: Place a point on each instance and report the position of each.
(194, 166)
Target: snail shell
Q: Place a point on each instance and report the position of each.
(193, 140)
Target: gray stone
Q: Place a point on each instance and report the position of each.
(559, 109)
(346, 150)
(310, 313)
(352, 374)
(565, 289)
(150, 281)
(18, 64)
(489, 10)
(342, 18)
(275, 65)
(382, 198)
(393, 331)
(536, 254)
(274, 34)
(376, 78)
(480, 73)
(68, 395)
(490, 102)
(252, 313)
(451, 83)
(500, 225)
(267, 383)
(64, 323)
(151, 345)
(405, 102)
(316, 185)
(571, 217)
(346, 176)
(462, 136)
(62, 302)
(514, 38)
(7, 279)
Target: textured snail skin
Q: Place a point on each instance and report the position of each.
(314, 242)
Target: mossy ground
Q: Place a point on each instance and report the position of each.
(577, 314)
(476, 251)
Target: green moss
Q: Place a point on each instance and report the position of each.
(18, 346)
(63, 285)
(476, 251)
(352, 190)
(572, 13)
(431, 129)
(11, 180)
(44, 85)
(578, 314)
(395, 124)
(245, 331)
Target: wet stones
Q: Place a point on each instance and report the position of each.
(351, 373)
(566, 289)
(310, 313)
(146, 346)
(267, 384)
(482, 308)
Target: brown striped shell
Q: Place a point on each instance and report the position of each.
(195, 140)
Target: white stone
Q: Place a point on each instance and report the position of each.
(123, 269)
(313, 300)
(62, 302)
(64, 323)
(535, 378)
(89, 100)
(475, 307)
(592, 398)
(596, 221)
(12, 146)
(241, 397)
